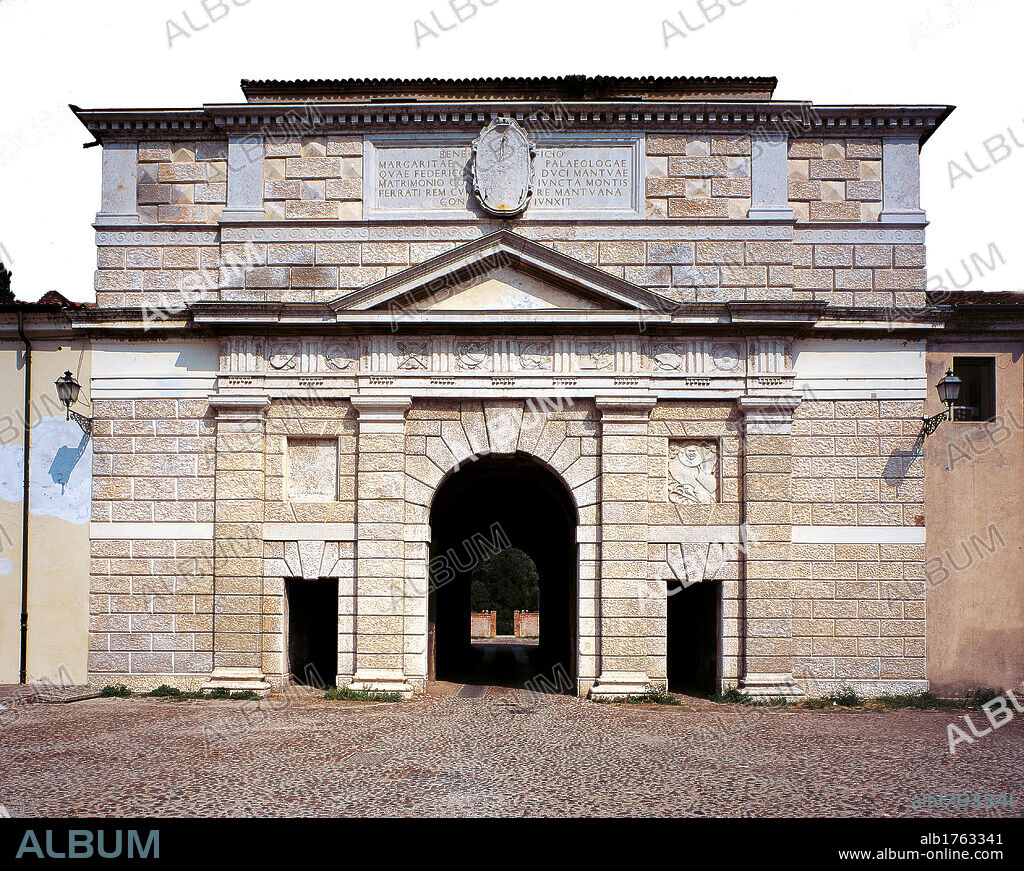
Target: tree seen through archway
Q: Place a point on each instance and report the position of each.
(505, 583)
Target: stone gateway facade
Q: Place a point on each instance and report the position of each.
(667, 336)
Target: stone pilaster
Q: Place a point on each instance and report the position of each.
(119, 196)
(767, 499)
(769, 183)
(624, 665)
(380, 544)
(238, 543)
(245, 179)
(901, 181)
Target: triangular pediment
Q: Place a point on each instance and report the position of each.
(506, 289)
(502, 272)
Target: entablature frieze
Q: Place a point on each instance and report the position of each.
(450, 364)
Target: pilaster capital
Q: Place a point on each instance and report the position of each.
(380, 413)
(237, 406)
(625, 407)
(763, 415)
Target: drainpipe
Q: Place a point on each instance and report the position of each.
(24, 502)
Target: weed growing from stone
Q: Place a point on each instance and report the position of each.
(348, 694)
(845, 697)
(733, 696)
(166, 691)
(115, 691)
(656, 695)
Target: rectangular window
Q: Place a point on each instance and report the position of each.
(978, 391)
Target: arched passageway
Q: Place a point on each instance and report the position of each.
(494, 503)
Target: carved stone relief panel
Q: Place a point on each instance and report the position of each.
(474, 355)
(671, 357)
(702, 362)
(727, 356)
(595, 355)
(284, 356)
(698, 356)
(693, 471)
(532, 355)
(340, 355)
(412, 355)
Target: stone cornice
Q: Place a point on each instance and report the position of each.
(635, 406)
(217, 120)
(738, 317)
(565, 87)
(458, 230)
(768, 406)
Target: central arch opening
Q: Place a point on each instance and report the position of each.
(503, 536)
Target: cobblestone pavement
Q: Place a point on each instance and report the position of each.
(506, 752)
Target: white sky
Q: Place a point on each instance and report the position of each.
(115, 53)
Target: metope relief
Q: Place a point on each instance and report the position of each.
(692, 472)
(726, 356)
(669, 358)
(413, 355)
(284, 357)
(473, 356)
(340, 356)
(595, 355)
(533, 355)
(698, 357)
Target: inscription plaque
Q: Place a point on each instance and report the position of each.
(599, 178)
(583, 178)
(423, 178)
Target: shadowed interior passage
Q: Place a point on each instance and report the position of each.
(487, 507)
(313, 631)
(693, 636)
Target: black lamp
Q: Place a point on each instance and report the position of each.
(948, 389)
(68, 390)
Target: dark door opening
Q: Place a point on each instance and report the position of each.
(312, 631)
(693, 637)
(488, 507)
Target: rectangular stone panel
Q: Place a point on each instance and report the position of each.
(312, 469)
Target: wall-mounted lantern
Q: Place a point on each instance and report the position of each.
(68, 390)
(948, 389)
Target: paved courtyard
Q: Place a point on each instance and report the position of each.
(489, 751)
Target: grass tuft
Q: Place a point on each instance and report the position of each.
(166, 691)
(733, 696)
(347, 694)
(655, 695)
(115, 691)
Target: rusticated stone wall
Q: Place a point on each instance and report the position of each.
(853, 609)
(310, 180)
(151, 599)
(698, 176)
(858, 606)
(835, 179)
(182, 181)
